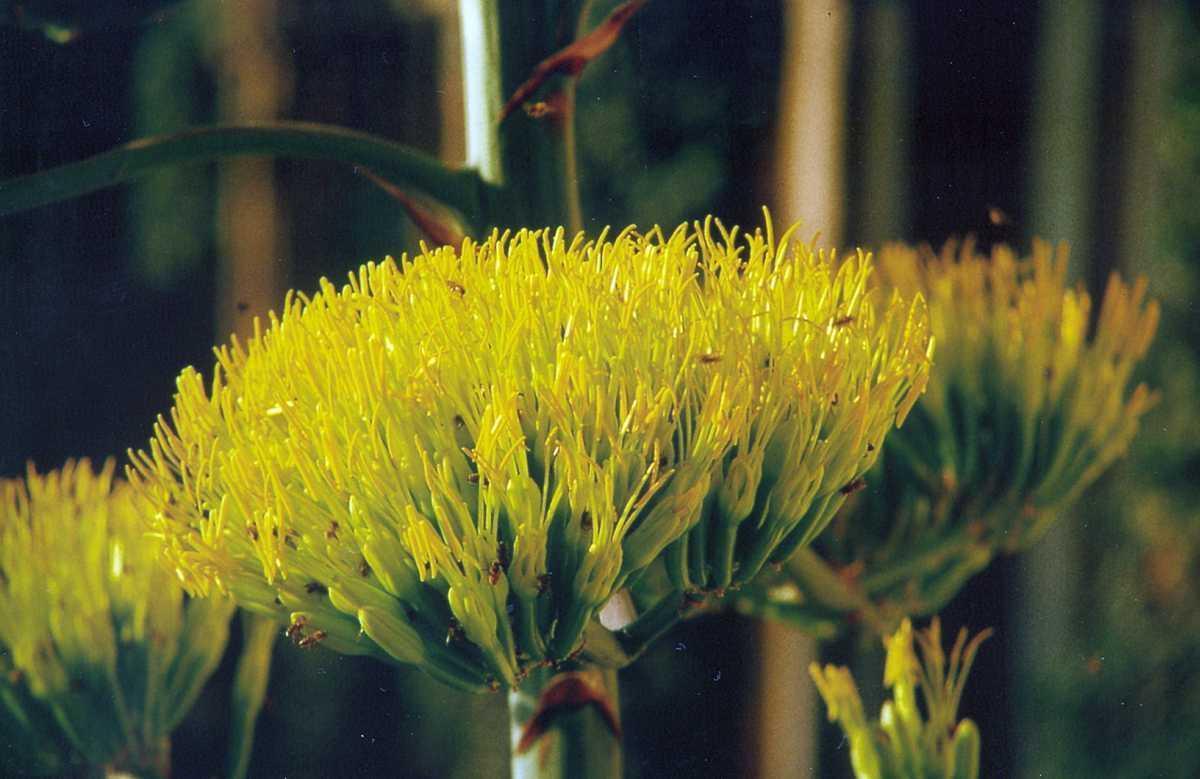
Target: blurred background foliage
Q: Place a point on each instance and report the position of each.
(1077, 120)
(1128, 701)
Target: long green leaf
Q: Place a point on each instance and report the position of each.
(413, 171)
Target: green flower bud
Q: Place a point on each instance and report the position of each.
(962, 759)
(911, 740)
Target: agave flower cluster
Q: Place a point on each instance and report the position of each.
(1029, 401)
(909, 740)
(456, 459)
(100, 655)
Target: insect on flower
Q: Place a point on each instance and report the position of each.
(312, 639)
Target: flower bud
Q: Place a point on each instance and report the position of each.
(921, 741)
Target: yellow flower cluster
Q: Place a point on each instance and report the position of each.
(1029, 401)
(457, 458)
(909, 741)
(1020, 347)
(100, 657)
(823, 405)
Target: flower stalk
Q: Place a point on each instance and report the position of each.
(249, 689)
(528, 152)
(565, 725)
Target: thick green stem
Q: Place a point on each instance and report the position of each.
(482, 98)
(635, 637)
(911, 586)
(822, 583)
(462, 190)
(530, 155)
(562, 725)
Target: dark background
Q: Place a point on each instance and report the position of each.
(104, 298)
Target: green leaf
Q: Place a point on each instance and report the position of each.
(462, 190)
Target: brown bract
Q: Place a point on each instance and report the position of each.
(567, 693)
(439, 231)
(571, 61)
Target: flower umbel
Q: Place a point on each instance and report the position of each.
(906, 742)
(100, 656)
(835, 366)
(1029, 401)
(456, 459)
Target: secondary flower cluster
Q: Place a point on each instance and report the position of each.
(100, 655)
(456, 459)
(1028, 402)
(909, 741)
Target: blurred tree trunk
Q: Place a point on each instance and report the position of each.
(1064, 138)
(809, 161)
(170, 211)
(1065, 120)
(254, 83)
(1149, 64)
(882, 199)
(453, 138)
(809, 166)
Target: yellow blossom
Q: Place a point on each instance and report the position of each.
(1030, 399)
(455, 459)
(100, 656)
(911, 739)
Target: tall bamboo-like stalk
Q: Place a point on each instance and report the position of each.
(1062, 157)
(883, 191)
(452, 134)
(254, 80)
(1067, 150)
(530, 153)
(810, 188)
